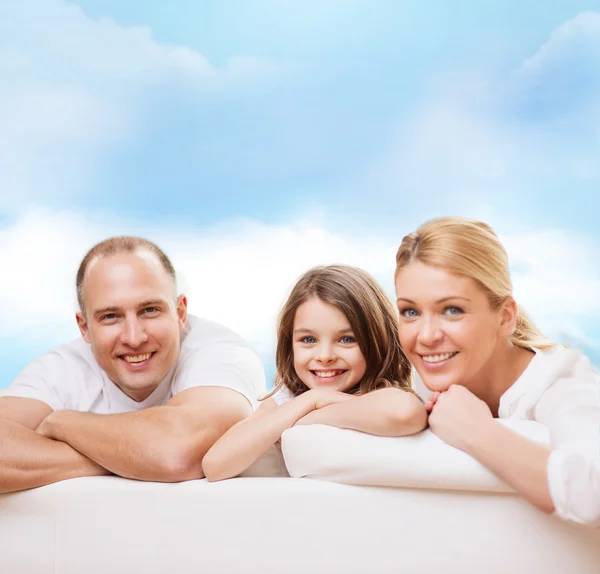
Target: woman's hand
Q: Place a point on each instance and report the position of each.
(457, 415)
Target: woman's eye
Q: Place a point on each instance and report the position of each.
(453, 311)
(409, 313)
(347, 340)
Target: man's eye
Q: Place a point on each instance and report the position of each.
(150, 310)
(108, 317)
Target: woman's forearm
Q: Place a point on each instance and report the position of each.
(517, 460)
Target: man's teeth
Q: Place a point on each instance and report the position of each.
(327, 374)
(437, 358)
(136, 358)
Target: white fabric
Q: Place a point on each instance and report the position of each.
(68, 377)
(282, 526)
(282, 395)
(419, 461)
(561, 389)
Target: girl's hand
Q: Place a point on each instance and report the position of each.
(322, 397)
(458, 415)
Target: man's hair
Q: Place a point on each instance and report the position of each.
(113, 246)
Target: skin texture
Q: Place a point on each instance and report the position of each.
(324, 343)
(443, 313)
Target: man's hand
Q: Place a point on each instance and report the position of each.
(457, 415)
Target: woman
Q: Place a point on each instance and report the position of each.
(482, 358)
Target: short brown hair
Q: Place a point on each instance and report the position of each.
(113, 246)
(372, 319)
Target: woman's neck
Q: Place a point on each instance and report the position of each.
(499, 374)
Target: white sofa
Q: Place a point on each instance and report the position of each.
(441, 512)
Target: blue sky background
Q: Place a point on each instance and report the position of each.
(253, 139)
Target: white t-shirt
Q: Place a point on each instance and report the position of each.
(560, 389)
(68, 377)
(283, 395)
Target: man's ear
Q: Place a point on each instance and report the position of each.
(83, 328)
(508, 316)
(182, 310)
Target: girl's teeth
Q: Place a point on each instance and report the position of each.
(327, 374)
(438, 358)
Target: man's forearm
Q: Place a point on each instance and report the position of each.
(28, 460)
(145, 445)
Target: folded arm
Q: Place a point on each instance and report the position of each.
(248, 440)
(385, 412)
(28, 460)
(163, 444)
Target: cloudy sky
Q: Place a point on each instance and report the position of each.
(253, 139)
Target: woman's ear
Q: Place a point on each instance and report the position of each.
(509, 313)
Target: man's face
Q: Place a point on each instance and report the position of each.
(133, 320)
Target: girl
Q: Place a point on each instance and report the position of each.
(483, 358)
(339, 363)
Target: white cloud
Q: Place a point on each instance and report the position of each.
(240, 274)
(72, 88)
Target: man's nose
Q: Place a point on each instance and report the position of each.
(133, 334)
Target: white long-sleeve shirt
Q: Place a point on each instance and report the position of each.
(561, 389)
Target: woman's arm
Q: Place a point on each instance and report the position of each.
(244, 443)
(385, 412)
(563, 478)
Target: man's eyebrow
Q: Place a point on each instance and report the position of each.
(152, 302)
(106, 310)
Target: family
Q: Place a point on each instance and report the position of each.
(152, 393)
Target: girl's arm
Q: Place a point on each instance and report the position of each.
(384, 412)
(244, 443)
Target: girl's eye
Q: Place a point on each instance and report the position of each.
(347, 340)
(453, 311)
(308, 340)
(409, 313)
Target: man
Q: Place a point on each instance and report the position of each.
(145, 392)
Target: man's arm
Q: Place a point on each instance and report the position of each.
(162, 444)
(28, 460)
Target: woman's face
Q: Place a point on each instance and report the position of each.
(447, 328)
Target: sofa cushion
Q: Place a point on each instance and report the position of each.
(419, 461)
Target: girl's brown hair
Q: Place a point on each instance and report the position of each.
(471, 248)
(372, 319)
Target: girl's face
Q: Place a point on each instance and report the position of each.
(326, 352)
(447, 328)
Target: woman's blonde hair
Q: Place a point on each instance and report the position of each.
(372, 318)
(471, 248)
